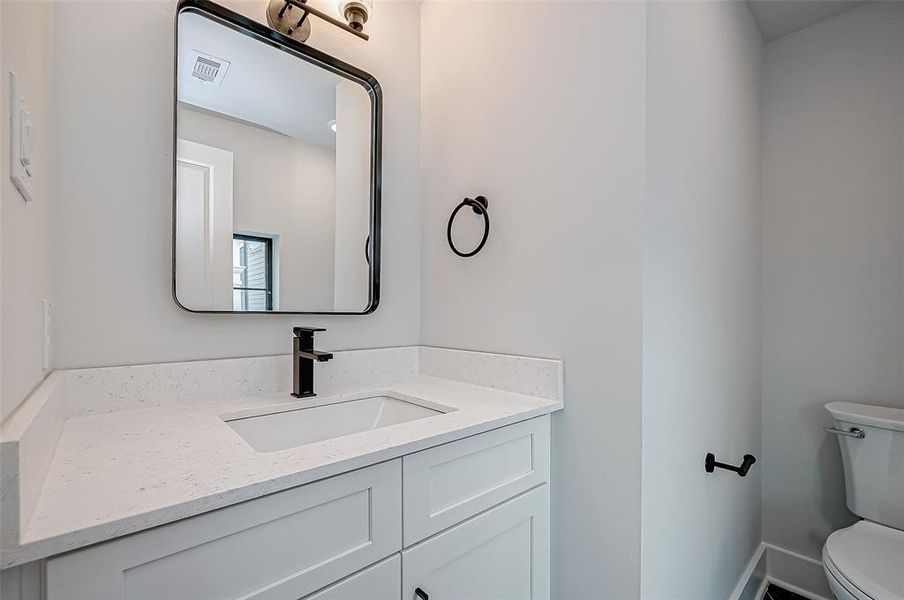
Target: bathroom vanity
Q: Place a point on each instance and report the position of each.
(464, 519)
(415, 473)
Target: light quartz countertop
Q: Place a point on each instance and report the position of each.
(124, 471)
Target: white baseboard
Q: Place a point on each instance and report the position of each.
(792, 571)
(753, 581)
(797, 573)
(761, 591)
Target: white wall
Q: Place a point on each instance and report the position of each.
(541, 108)
(27, 48)
(112, 217)
(284, 187)
(834, 255)
(353, 158)
(702, 297)
(4, 160)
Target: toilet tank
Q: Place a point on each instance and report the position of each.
(874, 464)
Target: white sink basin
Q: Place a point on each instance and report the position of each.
(293, 427)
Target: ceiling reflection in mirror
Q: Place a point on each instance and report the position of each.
(275, 177)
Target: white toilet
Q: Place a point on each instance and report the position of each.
(866, 560)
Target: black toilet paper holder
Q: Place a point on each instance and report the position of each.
(711, 464)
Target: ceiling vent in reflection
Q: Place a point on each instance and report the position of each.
(208, 69)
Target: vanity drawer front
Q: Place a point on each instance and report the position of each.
(383, 581)
(285, 545)
(447, 484)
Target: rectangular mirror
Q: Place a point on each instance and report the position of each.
(277, 172)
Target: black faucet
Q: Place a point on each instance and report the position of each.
(303, 358)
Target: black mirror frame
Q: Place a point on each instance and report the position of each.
(261, 32)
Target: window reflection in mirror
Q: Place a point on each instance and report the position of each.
(273, 178)
(252, 273)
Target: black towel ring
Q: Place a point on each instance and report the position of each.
(479, 206)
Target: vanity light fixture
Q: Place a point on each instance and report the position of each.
(290, 17)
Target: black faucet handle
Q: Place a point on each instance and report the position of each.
(322, 356)
(299, 331)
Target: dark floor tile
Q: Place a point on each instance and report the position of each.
(773, 592)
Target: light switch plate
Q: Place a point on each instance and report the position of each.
(21, 141)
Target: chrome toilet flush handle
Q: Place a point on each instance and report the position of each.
(854, 432)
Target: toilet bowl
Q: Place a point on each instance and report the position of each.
(866, 560)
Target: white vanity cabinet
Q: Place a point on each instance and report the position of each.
(285, 545)
(466, 520)
(502, 554)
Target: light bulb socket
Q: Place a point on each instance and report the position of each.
(356, 18)
(356, 13)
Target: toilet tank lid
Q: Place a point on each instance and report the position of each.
(883, 417)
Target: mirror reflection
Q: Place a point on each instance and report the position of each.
(273, 178)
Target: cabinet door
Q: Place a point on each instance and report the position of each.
(502, 554)
(285, 545)
(382, 581)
